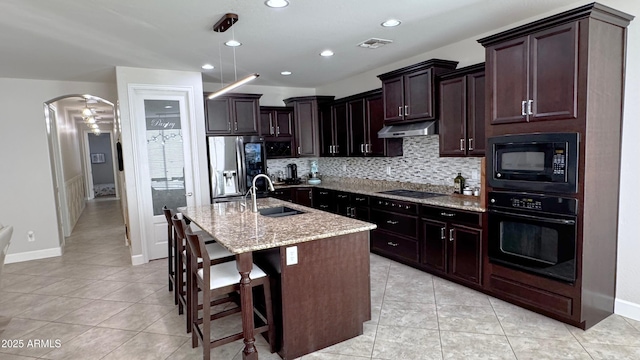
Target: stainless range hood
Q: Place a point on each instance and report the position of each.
(404, 130)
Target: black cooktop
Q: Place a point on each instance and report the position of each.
(411, 193)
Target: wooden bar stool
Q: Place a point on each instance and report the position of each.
(215, 281)
(217, 254)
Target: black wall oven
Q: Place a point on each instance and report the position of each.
(534, 233)
(534, 162)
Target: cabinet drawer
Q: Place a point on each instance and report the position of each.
(395, 246)
(451, 215)
(539, 298)
(359, 200)
(397, 223)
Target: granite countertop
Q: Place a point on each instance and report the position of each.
(373, 187)
(239, 230)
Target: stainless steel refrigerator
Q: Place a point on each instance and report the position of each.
(233, 162)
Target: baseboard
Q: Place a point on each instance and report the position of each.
(627, 309)
(137, 260)
(33, 255)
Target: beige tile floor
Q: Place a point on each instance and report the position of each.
(98, 306)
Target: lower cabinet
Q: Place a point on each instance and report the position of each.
(397, 234)
(303, 196)
(352, 205)
(282, 194)
(323, 199)
(452, 243)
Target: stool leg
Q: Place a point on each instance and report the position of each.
(193, 314)
(206, 322)
(176, 263)
(269, 309)
(170, 261)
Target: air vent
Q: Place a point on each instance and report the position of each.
(374, 43)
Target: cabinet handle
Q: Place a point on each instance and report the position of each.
(229, 125)
(447, 214)
(337, 148)
(406, 110)
(324, 193)
(530, 107)
(342, 196)
(461, 144)
(392, 244)
(442, 236)
(399, 110)
(270, 126)
(353, 212)
(359, 199)
(277, 130)
(298, 150)
(330, 149)
(310, 196)
(451, 231)
(236, 125)
(368, 148)
(392, 222)
(524, 110)
(470, 144)
(324, 206)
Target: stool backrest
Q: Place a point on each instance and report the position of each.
(5, 239)
(168, 214)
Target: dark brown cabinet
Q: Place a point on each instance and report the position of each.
(462, 106)
(235, 114)
(303, 196)
(352, 205)
(334, 137)
(534, 77)
(276, 121)
(409, 93)
(397, 234)
(282, 194)
(452, 243)
(306, 123)
(323, 199)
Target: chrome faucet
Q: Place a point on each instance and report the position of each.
(254, 204)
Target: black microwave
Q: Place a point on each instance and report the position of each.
(542, 162)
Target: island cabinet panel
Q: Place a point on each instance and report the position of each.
(535, 77)
(323, 299)
(462, 124)
(410, 94)
(234, 114)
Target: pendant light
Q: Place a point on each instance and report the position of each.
(221, 26)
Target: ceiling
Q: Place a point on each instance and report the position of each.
(84, 40)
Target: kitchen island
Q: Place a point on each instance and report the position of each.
(318, 261)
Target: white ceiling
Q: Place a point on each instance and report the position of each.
(82, 40)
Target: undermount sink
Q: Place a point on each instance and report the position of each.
(279, 211)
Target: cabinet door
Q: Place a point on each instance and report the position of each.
(245, 116)
(453, 116)
(306, 127)
(434, 253)
(326, 131)
(357, 128)
(374, 123)
(465, 252)
(218, 116)
(418, 96)
(554, 73)
(507, 73)
(267, 125)
(340, 133)
(475, 114)
(323, 199)
(284, 122)
(342, 203)
(282, 194)
(393, 94)
(304, 196)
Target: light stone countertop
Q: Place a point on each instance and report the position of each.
(239, 230)
(372, 187)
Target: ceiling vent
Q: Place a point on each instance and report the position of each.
(374, 43)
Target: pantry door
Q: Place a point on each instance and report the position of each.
(165, 175)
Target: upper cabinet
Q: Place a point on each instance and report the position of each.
(535, 77)
(462, 107)
(409, 94)
(306, 114)
(233, 114)
(276, 121)
(333, 130)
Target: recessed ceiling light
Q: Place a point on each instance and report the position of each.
(277, 3)
(285, 73)
(207, 67)
(391, 23)
(326, 53)
(168, 107)
(233, 43)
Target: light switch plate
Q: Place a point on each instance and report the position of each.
(292, 255)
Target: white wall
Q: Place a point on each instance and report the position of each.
(26, 191)
(271, 95)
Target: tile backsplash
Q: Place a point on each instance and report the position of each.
(420, 164)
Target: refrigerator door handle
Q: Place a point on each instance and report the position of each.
(242, 170)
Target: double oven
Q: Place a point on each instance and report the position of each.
(533, 205)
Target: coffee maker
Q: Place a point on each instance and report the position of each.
(292, 174)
